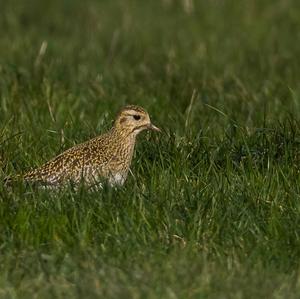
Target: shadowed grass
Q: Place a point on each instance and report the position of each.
(212, 208)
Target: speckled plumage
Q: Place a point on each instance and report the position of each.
(104, 157)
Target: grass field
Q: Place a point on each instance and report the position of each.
(213, 208)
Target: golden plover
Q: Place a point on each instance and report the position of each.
(107, 156)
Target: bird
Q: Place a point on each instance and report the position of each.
(104, 158)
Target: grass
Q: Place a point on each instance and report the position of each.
(213, 208)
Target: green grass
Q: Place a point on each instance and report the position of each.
(213, 208)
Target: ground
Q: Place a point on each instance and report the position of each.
(212, 209)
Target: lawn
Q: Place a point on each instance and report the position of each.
(212, 209)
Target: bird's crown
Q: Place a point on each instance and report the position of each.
(134, 119)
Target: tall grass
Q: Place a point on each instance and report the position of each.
(212, 209)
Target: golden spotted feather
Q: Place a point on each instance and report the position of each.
(105, 157)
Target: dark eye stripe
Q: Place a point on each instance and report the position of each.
(137, 117)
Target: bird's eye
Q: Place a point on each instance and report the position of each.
(137, 117)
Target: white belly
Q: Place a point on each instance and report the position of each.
(117, 179)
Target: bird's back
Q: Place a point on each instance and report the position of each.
(97, 158)
(72, 164)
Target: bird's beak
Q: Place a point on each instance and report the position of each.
(154, 128)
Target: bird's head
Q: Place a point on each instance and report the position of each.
(134, 119)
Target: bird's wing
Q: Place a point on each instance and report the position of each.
(51, 173)
(71, 165)
(59, 169)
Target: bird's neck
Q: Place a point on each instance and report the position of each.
(123, 135)
(123, 143)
